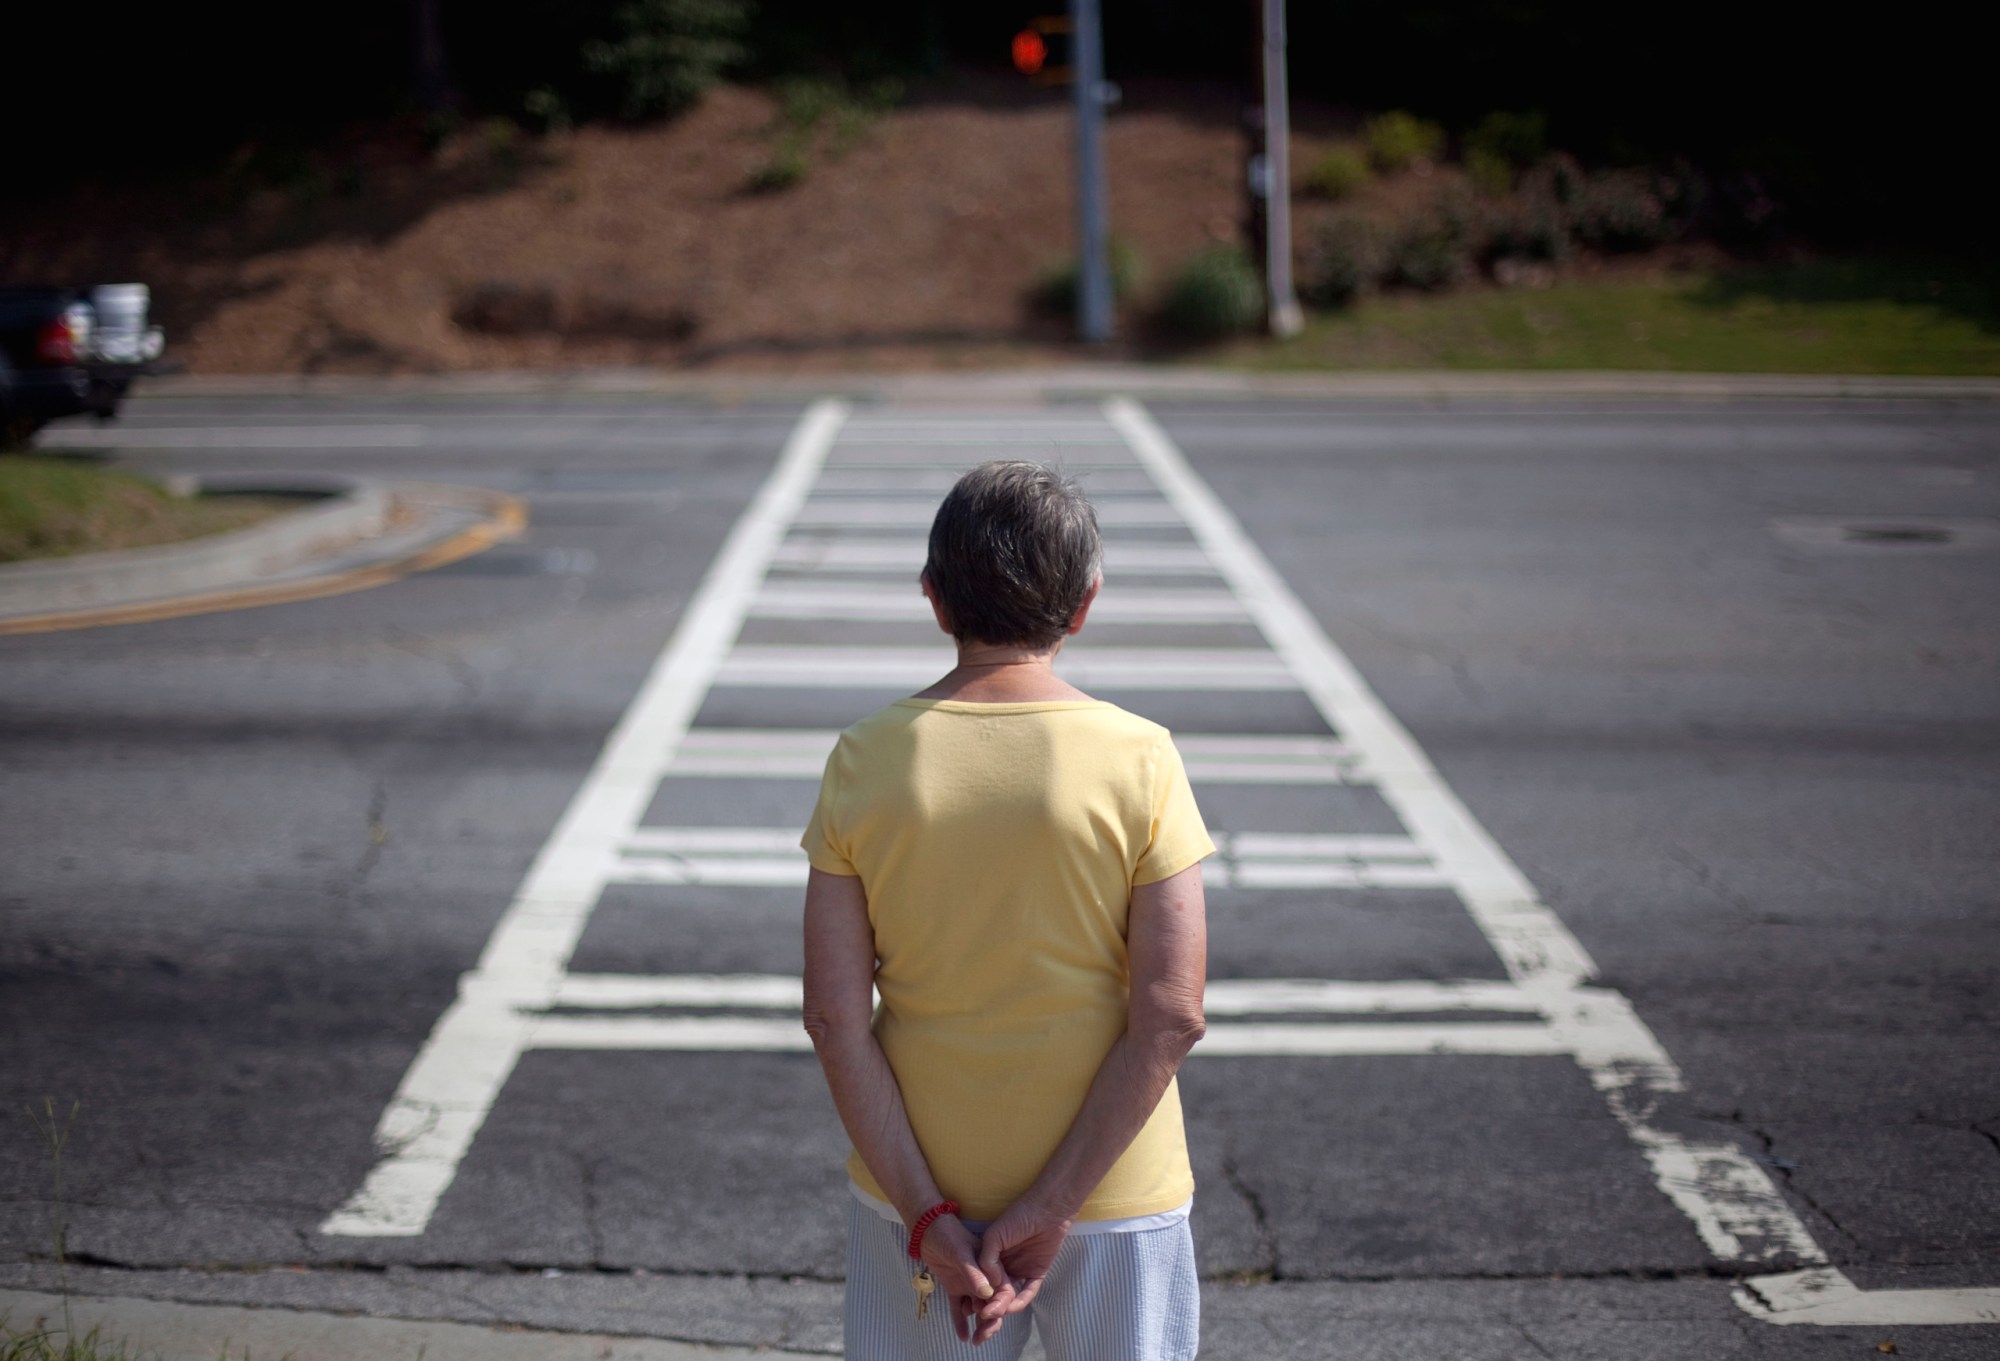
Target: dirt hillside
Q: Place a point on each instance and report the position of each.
(918, 242)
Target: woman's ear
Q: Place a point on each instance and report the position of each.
(937, 606)
(1076, 620)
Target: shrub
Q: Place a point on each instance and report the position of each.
(1399, 139)
(1217, 293)
(1619, 211)
(1430, 254)
(1558, 178)
(547, 110)
(1348, 257)
(786, 168)
(1494, 174)
(1515, 140)
(1532, 227)
(671, 52)
(1341, 172)
(1054, 291)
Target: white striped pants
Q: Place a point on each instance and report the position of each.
(1108, 1297)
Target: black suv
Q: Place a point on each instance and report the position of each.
(67, 351)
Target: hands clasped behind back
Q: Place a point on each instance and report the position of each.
(990, 1275)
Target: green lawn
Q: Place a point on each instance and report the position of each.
(1840, 316)
(52, 507)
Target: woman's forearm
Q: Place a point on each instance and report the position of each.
(1122, 1097)
(1167, 937)
(870, 1102)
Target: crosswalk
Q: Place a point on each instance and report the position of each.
(812, 608)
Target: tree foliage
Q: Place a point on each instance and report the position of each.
(671, 52)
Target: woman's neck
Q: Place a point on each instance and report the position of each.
(990, 674)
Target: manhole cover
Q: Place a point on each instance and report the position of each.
(1898, 534)
(1888, 535)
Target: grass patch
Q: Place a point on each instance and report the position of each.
(55, 507)
(1839, 316)
(44, 1344)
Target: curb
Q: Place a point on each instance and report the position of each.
(1079, 380)
(163, 1331)
(206, 587)
(352, 510)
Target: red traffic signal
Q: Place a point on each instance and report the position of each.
(1041, 50)
(1030, 51)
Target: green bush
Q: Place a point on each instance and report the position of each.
(808, 106)
(1515, 140)
(785, 168)
(1215, 294)
(1399, 139)
(671, 52)
(1341, 172)
(1619, 211)
(1054, 291)
(547, 110)
(1493, 174)
(1532, 227)
(1347, 257)
(1430, 254)
(1558, 178)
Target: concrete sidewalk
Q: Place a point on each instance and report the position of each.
(162, 1331)
(1085, 380)
(334, 1314)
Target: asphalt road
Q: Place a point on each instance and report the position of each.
(1719, 679)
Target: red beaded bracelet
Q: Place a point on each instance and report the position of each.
(924, 1221)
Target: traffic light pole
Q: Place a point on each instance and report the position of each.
(1093, 287)
(1285, 317)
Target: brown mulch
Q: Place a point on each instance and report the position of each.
(610, 246)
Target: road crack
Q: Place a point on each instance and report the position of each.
(1533, 1341)
(378, 831)
(1708, 879)
(587, 1174)
(1785, 1167)
(1267, 1240)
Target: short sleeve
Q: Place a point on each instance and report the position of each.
(822, 842)
(1179, 837)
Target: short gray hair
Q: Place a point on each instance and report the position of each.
(1013, 550)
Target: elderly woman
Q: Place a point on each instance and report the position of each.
(1016, 868)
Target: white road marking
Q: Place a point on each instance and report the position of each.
(918, 512)
(769, 857)
(232, 437)
(838, 599)
(1223, 996)
(1826, 1296)
(444, 1098)
(850, 478)
(825, 553)
(912, 668)
(800, 754)
(709, 1034)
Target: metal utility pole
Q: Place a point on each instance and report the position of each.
(1093, 288)
(1286, 319)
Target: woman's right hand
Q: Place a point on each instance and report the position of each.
(1018, 1247)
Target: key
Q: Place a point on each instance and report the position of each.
(925, 1285)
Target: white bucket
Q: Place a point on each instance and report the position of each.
(121, 319)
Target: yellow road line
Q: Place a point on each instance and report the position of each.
(509, 519)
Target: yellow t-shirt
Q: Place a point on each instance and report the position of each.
(998, 845)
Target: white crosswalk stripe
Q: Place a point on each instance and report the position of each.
(800, 753)
(853, 600)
